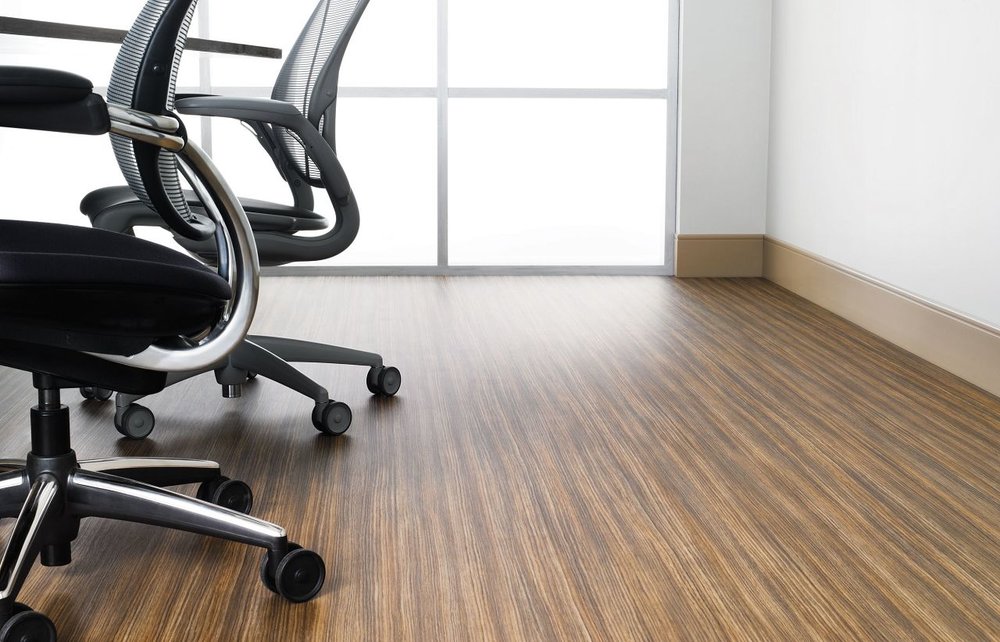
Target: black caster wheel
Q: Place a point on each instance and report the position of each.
(384, 381)
(228, 493)
(95, 393)
(332, 417)
(27, 626)
(299, 576)
(135, 421)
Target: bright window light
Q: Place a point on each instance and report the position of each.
(557, 182)
(558, 43)
(395, 45)
(388, 147)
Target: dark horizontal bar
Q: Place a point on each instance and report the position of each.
(43, 29)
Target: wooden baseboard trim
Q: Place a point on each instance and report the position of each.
(719, 255)
(959, 344)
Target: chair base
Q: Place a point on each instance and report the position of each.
(51, 492)
(269, 357)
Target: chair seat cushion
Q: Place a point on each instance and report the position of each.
(264, 216)
(270, 216)
(98, 291)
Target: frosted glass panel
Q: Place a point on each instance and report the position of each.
(388, 149)
(254, 22)
(558, 43)
(557, 182)
(393, 46)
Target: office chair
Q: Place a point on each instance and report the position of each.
(296, 129)
(81, 305)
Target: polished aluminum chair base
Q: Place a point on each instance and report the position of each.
(50, 492)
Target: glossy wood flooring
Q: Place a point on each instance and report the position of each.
(569, 459)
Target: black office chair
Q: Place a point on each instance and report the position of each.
(81, 305)
(296, 128)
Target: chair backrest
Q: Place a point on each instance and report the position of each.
(151, 50)
(308, 78)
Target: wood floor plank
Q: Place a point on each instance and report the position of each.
(569, 458)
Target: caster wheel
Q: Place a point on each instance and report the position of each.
(135, 422)
(332, 417)
(95, 393)
(384, 381)
(228, 493)
(299, 576)
(27, 626)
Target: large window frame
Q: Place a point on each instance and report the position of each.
(442, 93)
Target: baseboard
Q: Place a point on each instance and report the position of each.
(963, 346)
(719, 255)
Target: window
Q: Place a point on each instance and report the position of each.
(529, 133)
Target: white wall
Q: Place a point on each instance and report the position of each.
(725, 65)
(885, 142)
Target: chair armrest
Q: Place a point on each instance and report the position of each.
(235, 107)
(183, 96)
(50, 100)
(37, 85)
(277, 112)
(287, 248)
(300, 188)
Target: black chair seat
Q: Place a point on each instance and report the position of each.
(98, 291)
(264, 216)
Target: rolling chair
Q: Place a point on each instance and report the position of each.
(81, 305)
(296, 128)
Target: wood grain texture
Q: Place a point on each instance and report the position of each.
(570, 458)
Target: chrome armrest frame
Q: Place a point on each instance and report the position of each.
(235, 244)
(130, 116)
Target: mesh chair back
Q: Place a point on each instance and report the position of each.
(308, 78)
(145, 78)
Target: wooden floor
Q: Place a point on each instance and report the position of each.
(570, 458)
